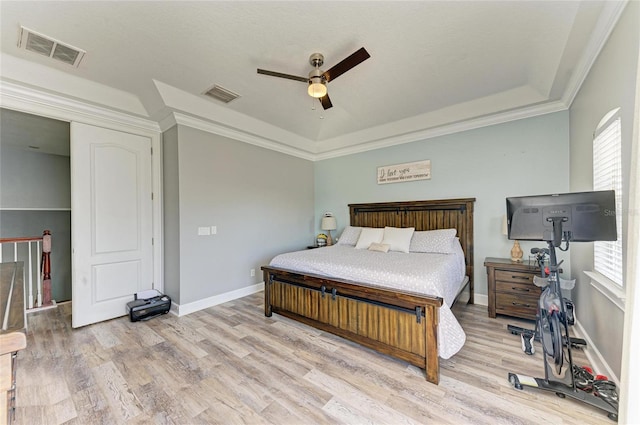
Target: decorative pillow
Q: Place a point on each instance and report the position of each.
(369, 235)
(349, 236)
(436, 241)
(398, 238)
(382, 247)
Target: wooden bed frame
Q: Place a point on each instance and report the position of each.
(400, 324)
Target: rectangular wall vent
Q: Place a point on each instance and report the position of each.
(221, 94)
(47, 46)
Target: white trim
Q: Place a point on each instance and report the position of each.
(158, 212)
(481, 299)
(611, 12)
(26, 99)
(35, 209)
(446, 129)
(237, 134)
(595, 358)
(14, 96)
(184, 309)
(608, 288)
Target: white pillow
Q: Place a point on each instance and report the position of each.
(369, 235)
(382, 247)
(436, 241)
(349, 236)
(398, 238)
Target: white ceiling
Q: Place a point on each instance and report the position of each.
(434, 64)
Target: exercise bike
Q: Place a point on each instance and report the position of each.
(528, 335)
(553, 333)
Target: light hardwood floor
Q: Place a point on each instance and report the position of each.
(230, 364)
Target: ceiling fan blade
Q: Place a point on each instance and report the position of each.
(346, 64)
(326, 102)
(281, 75)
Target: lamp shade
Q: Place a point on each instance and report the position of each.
(329, 223)
(505, 230)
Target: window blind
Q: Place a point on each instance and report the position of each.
(607, 175)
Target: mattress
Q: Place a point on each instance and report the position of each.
(439, 275)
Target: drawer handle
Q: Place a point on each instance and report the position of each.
(521, 289)
(520, 277)
(521, 305)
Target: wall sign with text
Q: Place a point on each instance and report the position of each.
(400, 173)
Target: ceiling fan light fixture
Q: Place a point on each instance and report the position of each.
(317, 88)
(318, 79)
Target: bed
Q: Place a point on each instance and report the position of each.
(400, 323)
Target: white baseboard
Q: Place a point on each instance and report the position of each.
(481, 299)
(596, 361)
(184, 309)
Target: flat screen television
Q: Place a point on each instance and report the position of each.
(575, 217)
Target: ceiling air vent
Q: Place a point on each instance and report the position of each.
(47, 46)
(221, 94)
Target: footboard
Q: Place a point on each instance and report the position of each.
(399, 324)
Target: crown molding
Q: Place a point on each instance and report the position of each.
(446, 129)
(235, 134)
(26, 99)
(611, 12)
(34, 101)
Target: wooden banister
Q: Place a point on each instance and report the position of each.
(45, 267)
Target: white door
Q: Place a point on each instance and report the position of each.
(111, 221)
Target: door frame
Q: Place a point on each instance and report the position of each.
(24, 99)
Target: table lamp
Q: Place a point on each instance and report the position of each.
(329, 223)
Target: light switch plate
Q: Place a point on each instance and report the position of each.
(204, 231)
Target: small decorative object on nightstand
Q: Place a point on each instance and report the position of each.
(516, 251)
(329, 223)
(321, 240)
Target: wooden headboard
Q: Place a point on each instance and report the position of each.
(423, 215)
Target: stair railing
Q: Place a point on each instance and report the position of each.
(28, 249)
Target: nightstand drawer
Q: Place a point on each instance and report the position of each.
(517, 305)
(516, 288)
(513, 276)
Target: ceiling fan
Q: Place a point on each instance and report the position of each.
(318, 78)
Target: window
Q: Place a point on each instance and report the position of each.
(607, 175)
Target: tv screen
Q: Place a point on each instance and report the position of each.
(575, 217)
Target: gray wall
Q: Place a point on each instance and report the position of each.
(35, 194)
(33, 179)
(261, 202)
(524, 157)
(610, 84)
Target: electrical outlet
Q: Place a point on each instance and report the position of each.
(214, 230)
(204, 231)
(253, 272)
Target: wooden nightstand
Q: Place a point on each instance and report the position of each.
(510, 288)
